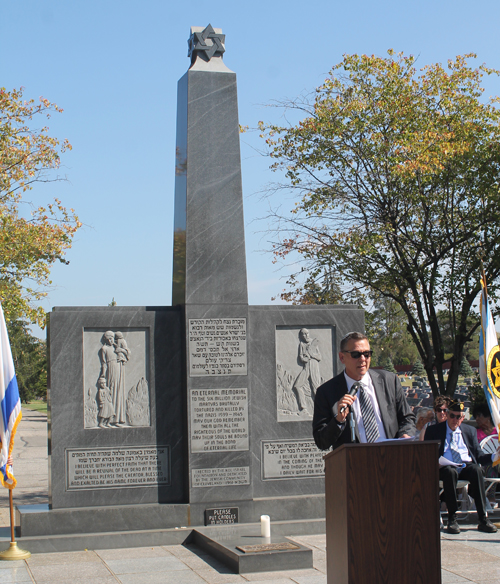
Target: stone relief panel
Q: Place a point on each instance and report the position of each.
(304, 360)
(116, 387)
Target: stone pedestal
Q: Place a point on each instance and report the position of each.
(209, 240)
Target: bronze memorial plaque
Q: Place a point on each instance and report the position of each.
(267, 547)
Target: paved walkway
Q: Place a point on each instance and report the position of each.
(469, 557)
(30, 464)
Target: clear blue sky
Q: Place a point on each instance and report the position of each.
(114, 66)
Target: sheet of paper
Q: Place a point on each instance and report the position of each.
(445, 462)
(385, 440)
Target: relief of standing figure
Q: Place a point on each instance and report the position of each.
(122, 355)
(106, 411)
(113, 359)
(309, 379)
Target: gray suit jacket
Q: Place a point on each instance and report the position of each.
(395, 412)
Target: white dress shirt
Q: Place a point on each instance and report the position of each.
(367, 383)
(461, 447)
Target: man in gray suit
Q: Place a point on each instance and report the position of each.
(380, 407)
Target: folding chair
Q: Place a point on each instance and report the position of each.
(462, 487)
(489, 445)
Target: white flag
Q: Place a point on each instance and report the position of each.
(489, 360)
(10, 405)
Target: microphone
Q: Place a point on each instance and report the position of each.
(354, 390)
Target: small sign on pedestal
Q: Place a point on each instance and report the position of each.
(222, 516)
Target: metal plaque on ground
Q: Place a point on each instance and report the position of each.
(267, 547)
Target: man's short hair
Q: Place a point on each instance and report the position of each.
(423, 412)
(441, 401)
(354, 336)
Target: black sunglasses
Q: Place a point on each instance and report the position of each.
(453, 416)
(442, 410)
(357, 354)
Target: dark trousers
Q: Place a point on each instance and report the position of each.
(472, 473)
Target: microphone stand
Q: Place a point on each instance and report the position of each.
(352, 424)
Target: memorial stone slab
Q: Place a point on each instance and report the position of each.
(115, 395)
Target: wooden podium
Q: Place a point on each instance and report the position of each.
(382, 514)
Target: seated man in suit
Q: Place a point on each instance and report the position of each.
(381, 410)
(459, 445)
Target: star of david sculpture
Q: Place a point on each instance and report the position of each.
(206, 44)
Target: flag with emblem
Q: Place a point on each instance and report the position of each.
(489, 359)
(11, 405)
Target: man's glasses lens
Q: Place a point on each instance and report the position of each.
(453, 416)
(357, 354)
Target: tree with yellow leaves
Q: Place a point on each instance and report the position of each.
(32, 236)
(398, 176)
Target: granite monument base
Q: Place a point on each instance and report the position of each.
(42, 530)
(39, 520)
(243, 549)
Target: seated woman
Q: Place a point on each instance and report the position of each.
(440, 407)
(485, 428)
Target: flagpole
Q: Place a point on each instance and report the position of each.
(13, 552)
(11, 505)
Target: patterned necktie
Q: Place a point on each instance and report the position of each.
(455, 453)
(369, 421)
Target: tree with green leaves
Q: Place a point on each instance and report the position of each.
(396, 174)
(418, 368)
(448, 328)
(30, 361)
(387, 364)
(476, 392)
(328, 291)
(385, 326)
(33, 236)
(466, 369)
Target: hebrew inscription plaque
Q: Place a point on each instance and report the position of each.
(217, 346)
(102, 468)
(291, 459)
(219, 419)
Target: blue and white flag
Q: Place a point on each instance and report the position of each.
(489, 360)
(10, 403)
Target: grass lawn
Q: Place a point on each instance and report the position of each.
(38, 406)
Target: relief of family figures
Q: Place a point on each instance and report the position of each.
(116, 400)
(111, 396)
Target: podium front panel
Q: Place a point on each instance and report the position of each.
(382, 513)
